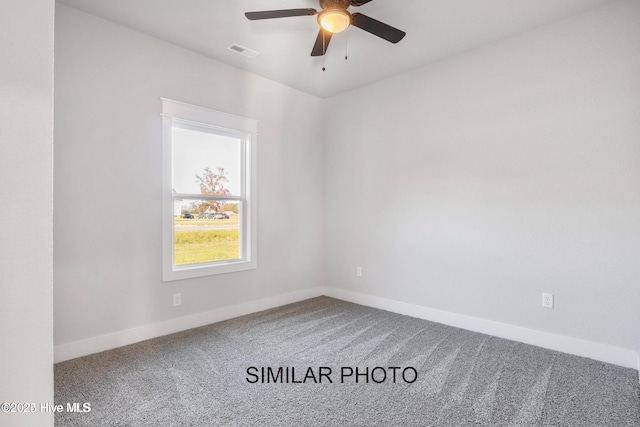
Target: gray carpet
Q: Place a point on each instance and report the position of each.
(199, 377)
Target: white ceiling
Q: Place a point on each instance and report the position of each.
(435, 30)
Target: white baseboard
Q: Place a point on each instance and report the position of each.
(602, 352)
(100, 343)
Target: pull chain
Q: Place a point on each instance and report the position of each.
(324, 47)
(324, 50)
(346, 44)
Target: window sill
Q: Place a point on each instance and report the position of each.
(192, 271)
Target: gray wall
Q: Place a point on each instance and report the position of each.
(107, 219)
(26, 123)
(477, 183)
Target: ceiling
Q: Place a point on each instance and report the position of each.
(435, 30)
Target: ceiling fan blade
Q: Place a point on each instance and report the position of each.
(377, 28)
(286, 13)
(321, 46)
(358, 2)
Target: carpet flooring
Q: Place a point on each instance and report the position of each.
(213, 376)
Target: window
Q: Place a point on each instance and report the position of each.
(209, 182)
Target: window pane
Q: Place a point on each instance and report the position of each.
(205, 162)
(206, 231)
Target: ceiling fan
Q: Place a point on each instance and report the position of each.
(335, 18)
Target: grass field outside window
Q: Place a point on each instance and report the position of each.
(195, 242)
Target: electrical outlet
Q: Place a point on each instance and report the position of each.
(177, 300)
(547, 300)
(359, 271)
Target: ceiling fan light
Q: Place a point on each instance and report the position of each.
(334, 20)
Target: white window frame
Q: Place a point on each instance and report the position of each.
(246, 130)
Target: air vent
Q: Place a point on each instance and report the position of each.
(241, 50)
